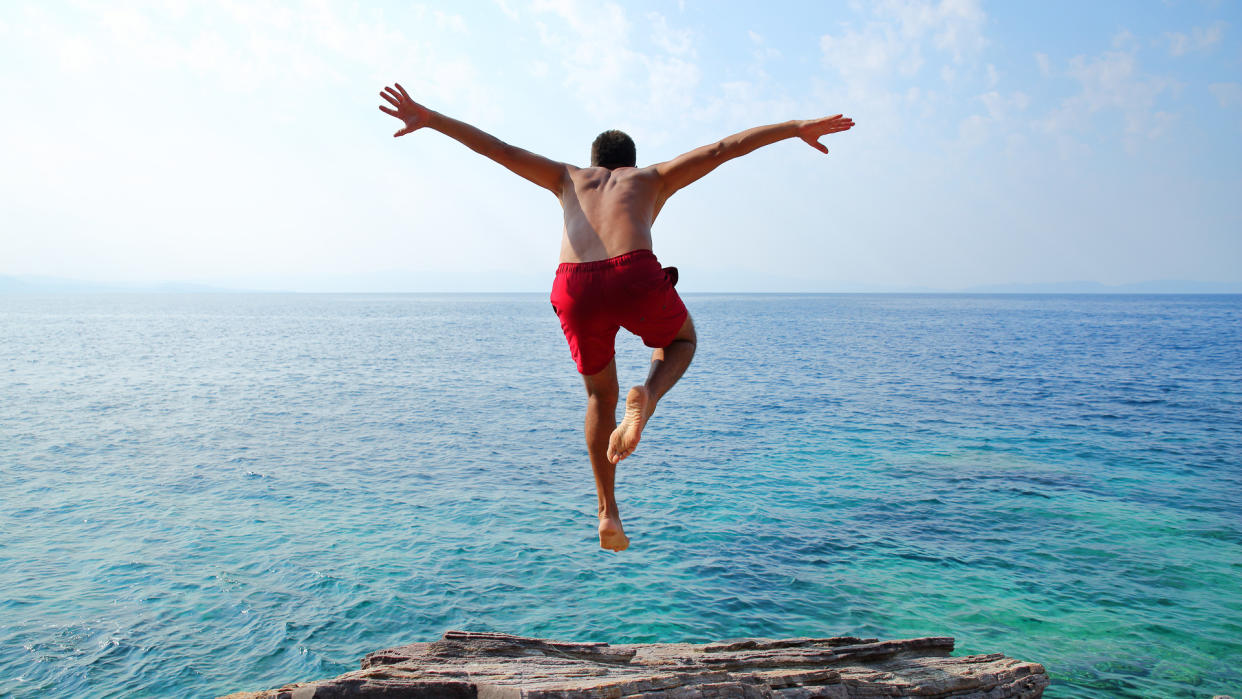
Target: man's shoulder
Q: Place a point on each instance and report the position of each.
(596, 176)
(647, 171)
(596, 171)
(636, 174)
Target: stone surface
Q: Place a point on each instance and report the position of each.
(470, 665)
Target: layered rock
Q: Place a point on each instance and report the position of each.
(470, 665)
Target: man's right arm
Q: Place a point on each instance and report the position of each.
(544, 172)
(689, 167)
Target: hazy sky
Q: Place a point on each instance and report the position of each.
(239, 143)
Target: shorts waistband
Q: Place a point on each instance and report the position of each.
(618, 261)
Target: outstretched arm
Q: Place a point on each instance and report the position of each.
(688, 167)
(544, 172)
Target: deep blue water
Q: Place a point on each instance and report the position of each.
(207, 493)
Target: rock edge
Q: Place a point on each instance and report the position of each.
(469, 665)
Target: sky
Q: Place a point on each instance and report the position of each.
(239, 143)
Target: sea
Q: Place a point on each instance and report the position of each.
(208, 493)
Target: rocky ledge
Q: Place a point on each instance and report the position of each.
(499, 666)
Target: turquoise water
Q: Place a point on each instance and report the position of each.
(202, 494)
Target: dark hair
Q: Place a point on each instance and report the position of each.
(613, 149)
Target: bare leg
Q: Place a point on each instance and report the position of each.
(667, 366)
(601, 419)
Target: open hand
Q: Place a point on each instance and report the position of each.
(812, 129)
(407, 110)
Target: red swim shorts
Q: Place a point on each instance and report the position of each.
(631, 291)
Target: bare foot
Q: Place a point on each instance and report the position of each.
(611, 535)
(625, 438)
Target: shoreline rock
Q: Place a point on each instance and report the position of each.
(471, 665)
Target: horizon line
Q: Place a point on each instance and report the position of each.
(35, 284)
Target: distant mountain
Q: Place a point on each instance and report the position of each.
(58, 285)
(1164, 286)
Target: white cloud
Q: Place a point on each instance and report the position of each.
(126, 23)
(252, 47)
(1199, 39)
(507, 9)
(76, 53)
(643, 84)
(977, 130)
(244, 46)
(1157, 124)
(596, 76)
(895, 45)
(1113, 83)
(675, 42)
(1000, 108)
(972, 132)
(1045, 66)
(761, 54)
(870, 54)
(451, 22)
(956, 26)
(894, 38)
(1124, 40)
(1228, 94)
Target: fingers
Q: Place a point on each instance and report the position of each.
(835, 120)
(824, 121)
(833, 125)
(399, 98)
(829, 125)
(815, 129)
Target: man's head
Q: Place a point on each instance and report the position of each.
(613, 149)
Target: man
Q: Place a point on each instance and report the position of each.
(608, 277)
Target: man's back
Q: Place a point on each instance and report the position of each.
(608, 212)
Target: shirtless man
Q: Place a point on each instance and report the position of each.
(608, 277)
